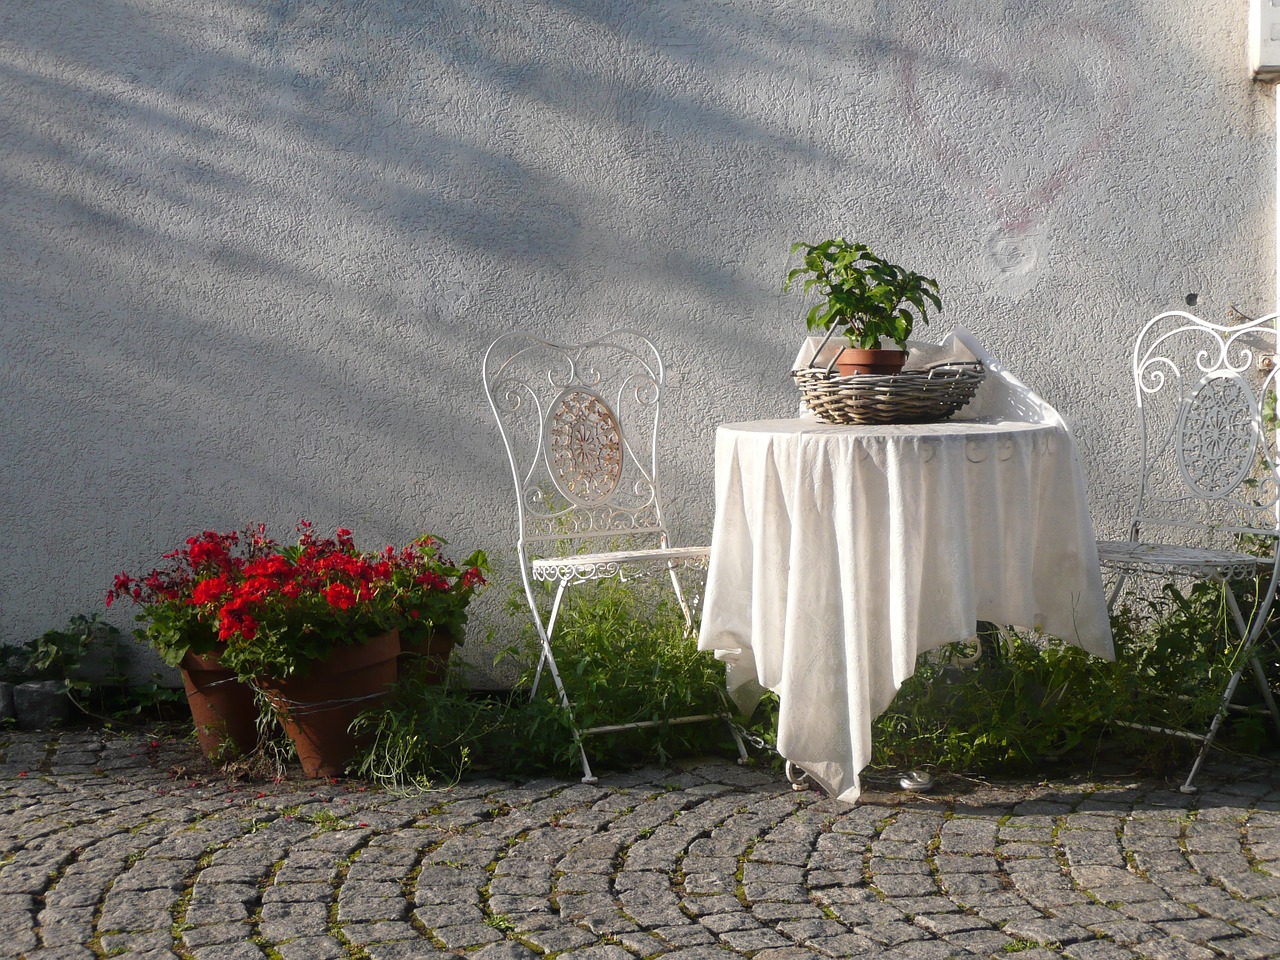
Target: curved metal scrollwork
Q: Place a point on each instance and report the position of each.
(1208, 456)
(579, 424)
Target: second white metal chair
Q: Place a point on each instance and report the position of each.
(1208, 491)
(587, 491)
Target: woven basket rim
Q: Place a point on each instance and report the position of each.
(941, 371)
(911, 396)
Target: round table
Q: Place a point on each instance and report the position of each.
(839, 553)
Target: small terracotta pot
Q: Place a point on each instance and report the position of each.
(853, 361)
(316, 710)
(222, 707)
(428, 652)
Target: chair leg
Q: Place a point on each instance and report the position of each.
(1115, 592)
(547, 659)
(743, 757)
(1207, 740)
(684, 604)
(1247, 657)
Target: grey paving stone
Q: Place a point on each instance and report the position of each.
(507, 950)
(1154, 911)
(560, 938)
(703, 905)
(138, 910)
(363, 934)
(904, 885)
(229, 951)
(773, 911)
(604, 951)
(362, 908)
(67, 952)
(222, 892)
(890, 932)
(924, 950)
(200, 913)
(663, 849)
(783, 953)
(298, 892)
(137, 943)
(467, 935)
(1172, 948)
(1200, 930)
(687, 935)
(1249, 948)
(1047, 930)
(845, 945)
(749, 941)
(722, 922)
(941, 924)
(401, 950)
(982, 942)
(1097, 950)
(216, 933)
(311, 948)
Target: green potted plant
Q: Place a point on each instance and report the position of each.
(182, 629)
(434, 594)
(866, 297)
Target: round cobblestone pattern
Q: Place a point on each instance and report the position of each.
(111, 845)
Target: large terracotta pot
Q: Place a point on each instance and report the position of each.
(316, 710)
(853, 361)
(222, 707)
(427, 652)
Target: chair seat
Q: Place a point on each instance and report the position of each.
(591, 566)
(1129, 557)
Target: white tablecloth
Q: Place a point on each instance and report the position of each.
(839, 553)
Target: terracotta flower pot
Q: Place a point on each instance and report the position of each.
(222, 707)
(316, 710)
(852, 361)
(428, 652)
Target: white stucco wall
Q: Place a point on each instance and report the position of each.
(250, 253)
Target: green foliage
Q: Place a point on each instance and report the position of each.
(1181, 649)
(426, 735)
(1019, 704)
(1028, 700)
(867, 295)
(624, 656)
(91, 658)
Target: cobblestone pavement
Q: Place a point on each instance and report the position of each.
(112, 845)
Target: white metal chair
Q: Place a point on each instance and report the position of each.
(1208, 495)
(587, 492)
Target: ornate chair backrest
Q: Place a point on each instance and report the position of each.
(579, 423)
(1206, 394)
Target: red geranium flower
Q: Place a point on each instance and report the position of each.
(341, 596)
(207, 591)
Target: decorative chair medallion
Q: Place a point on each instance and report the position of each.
(585, 447)
(1219, 445)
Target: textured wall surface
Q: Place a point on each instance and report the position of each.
(251, 253)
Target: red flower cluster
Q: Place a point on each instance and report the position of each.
(263, 602)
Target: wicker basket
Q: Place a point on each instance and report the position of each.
(913, 396)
